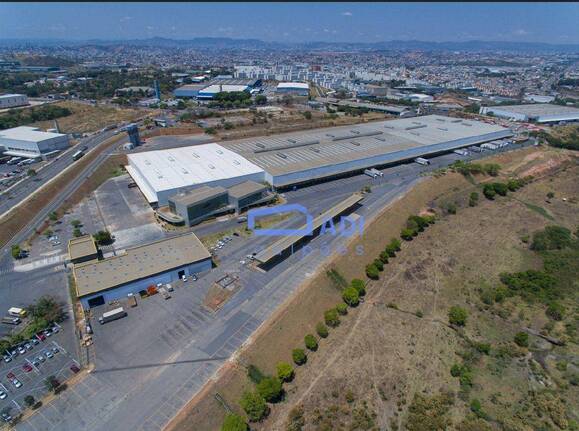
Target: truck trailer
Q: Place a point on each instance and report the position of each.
(115, 314)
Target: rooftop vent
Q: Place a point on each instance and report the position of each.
(379, 138)
(356, 132)
(442, 128)
(315, 150)
(171, 159)
(211, 166)
(184, 171)
(415, 127)
(357, 144)
(236, 162)
(219, 152)
(148, 163)
(282, 155)
(195, 155)
(259, 145)
(415, 133)
(293, 141)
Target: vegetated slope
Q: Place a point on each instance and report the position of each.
(388, 364)
(391, 367)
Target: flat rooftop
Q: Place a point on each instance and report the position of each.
(138, 263)
(245, 188)
(218, 88)
(296, 85)
(537, 109)
(197, 195)
(25, 133)
(299, 151)
(186, 166)
(81, 247)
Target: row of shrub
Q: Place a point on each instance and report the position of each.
(490, 190)
(269, 389)
(374, 269)
(468, 168)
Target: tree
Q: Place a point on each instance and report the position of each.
(457, 316)
(29, 400)
(16, 251)
(473, 199)
(254, 405)
(76, 223)
(359, 285)
(378, 264)
(551, 238)
(76, 232)
(285, 372)
(522, 339)
(233, 422)
(48, 233)
(322, 330)
(260, 99)
(52, 383)
(351, 296)
(311, 342)
(299, 356)
(103, 237)
(53, 216)
(331, 317)
(270, 389)
(500, 188)
(31, 172)
(372, 272)
(555, 311)
(397, 245)
(307, 115)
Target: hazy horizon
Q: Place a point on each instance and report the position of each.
(295, 22)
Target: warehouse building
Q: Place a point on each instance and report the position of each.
(164, 261)
(211, 91)
(289, 159)
(294, 88)
(189, 91)
(248, 194)
(315, 155)
(165, 173)
(31, 142)
(540, 112)
(12, 100)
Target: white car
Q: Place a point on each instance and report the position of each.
(2, 395)
(16, 383)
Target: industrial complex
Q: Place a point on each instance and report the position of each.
(31, 142)
(540, 112)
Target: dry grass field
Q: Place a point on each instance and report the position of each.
(397, 344)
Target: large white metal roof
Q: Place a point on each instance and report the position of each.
(186, 166)
(25, 133)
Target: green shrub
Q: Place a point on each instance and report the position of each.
(456, 370)
(342, 309)
(551, 238)
(451, 208)
(359, 285)
(384, 257)
(299, 356)
(322, 330)
(407, 234)
(396, 244)
(254, 374)
(331, 317)
(351, 297)
(233, 422)
(522, 339)
(378, 264)
(254, 406)
(500, 188)
(285, 372)
(555, 311)
(372, 272)
(457, 316)
(311, 342)
(483, 348)
(270, 389)
(473, 199)
(489, 191)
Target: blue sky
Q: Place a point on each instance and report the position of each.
(295, 22)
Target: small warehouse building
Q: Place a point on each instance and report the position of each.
(537, 112)
(31, 142)
(164, 261)
(212, 91)
(248, 194)
(189, 91)
(12, 100)
(293, 88)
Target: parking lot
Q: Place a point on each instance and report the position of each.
(26, 374)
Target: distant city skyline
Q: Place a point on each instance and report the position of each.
(555, 23)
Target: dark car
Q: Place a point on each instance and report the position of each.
(74, 369)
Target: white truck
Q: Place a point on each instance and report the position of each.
(422, 161)
(115, 314)
(17, 312)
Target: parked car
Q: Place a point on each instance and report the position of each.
(48, 354)
(28, 346)
(74, 368)
(47, 332)
(34, 341)
(6, 417)
(16, 383)
(55, 329)
(41, 336)
(21, 350)
(55, 350)
(10, 376)
(40, 358)
(2, 395)
(36, 363)
(27, 367)
(7, 358)
(194, 277)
